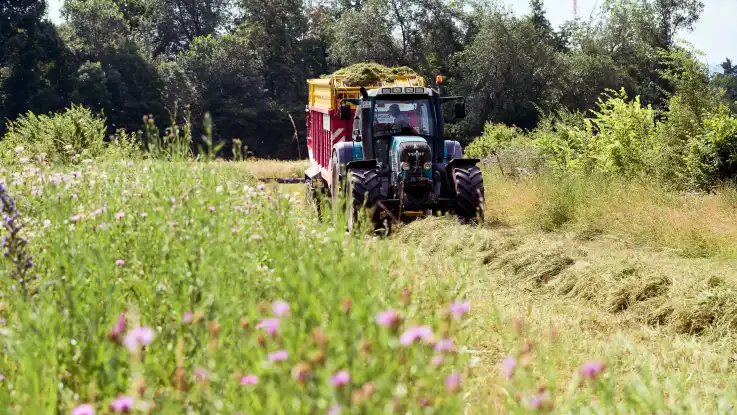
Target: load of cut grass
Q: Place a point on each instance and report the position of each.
(362, 74)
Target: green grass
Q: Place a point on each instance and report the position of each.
(203, 238)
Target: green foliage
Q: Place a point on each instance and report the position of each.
(68, 137)
(712, 156)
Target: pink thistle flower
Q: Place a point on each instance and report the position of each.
(249, 380)
(458, 309)
(416, 333)
(280, 308)
(75, 218)
(507, 366)
(445, 345)
(119, 262)
(453, 382)
(260, 186)
(139, 336)
(84, 409)
(592, 369)
(340, 378)
(270, 325)
(278, 356)
(389, 318)
(536, 400)
(119, 215)
(212, 209)
(122, 404)
(437, 360)
(201, 374)
(118, 328)
(334, 410)
(187, 317)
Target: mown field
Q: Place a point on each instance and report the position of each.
(183, 287)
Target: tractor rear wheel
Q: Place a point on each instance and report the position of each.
(363, 191)
(469, 186)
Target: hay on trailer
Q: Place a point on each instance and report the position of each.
(363, 74)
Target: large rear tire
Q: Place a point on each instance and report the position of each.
(363, 192)
(469, 186)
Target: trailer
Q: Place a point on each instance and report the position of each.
(380, 148)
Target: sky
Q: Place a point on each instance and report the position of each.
(712, 34)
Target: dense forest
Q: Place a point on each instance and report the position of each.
(245, 62)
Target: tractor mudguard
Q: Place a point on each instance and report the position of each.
(458, 163)
(347, 152)
(361, 164)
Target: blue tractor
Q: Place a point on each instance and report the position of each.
(398, 163)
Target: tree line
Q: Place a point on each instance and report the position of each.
(246, 62)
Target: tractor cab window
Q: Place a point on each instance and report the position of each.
(410, 116)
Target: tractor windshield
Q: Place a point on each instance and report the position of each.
(403, 116)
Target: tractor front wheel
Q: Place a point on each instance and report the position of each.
(363, 191)
(469, 186)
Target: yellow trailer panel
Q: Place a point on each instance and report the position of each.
(326, 93)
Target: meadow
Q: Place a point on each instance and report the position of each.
(169, 287)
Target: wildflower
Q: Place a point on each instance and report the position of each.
(301, 372)
(416, 333)
(212, 208)
(508, 365)
(2, 378)
(453, 382)
(119, 262)
(406, 296)
(319, 336)
(437, 360)
(334, 410)
(444, 345)
(75, 218)
(270, 325)
(458, 309)
(139, 336)
(118, 328)
(201, 374)
(261, 186)
(187, 317)
(592, 369)
(389, 318)
(84, 409)
(278, 356)
(119, 215)
(122, 404)
(280, 308)
(219, 189)
(256, 237)
(347, 303)
(340, 379)
(535, 401)
(249, 380)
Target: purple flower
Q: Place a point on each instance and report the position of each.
(75, 218)
(278, 356)
(416, 333)
(445, 345)
(187, 317)
(334, 409)
(139, 336)
(508, 365)
(119, 262)
(118, 328)
(212, 208)
(592, 369)
(201, 374)
(271, 325)
(84, 409)
(340, 379)
(453, 382)
(536, 400)
(261, 186)
(119, 215)
(437, 360)
(122, 404)
(280, 308)
(389, 318)
(458, 309)
(249, 380)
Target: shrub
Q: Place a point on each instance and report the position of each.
(67, 137)
(712, 156)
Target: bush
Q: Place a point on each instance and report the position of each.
(712, 156)
(67, 137)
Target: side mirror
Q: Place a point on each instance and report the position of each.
(345, 112)
(460, 109)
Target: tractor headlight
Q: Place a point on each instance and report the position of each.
(405, 166)
(428, 166)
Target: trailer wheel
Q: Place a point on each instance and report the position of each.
(469, 186)
(363, 191)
